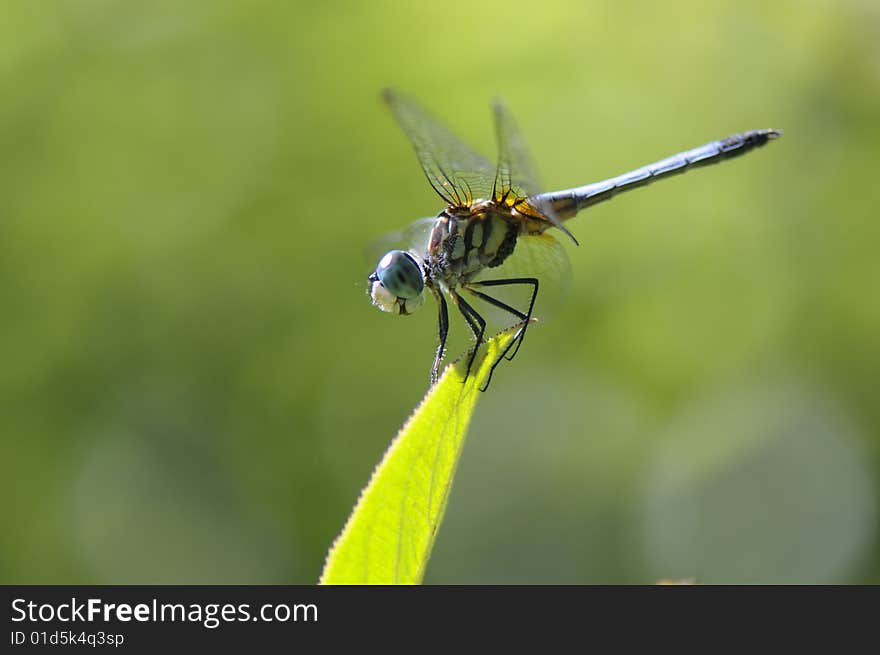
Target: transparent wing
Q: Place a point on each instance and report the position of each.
(413, 238)
(515, 173)
(538, 256)
(457, 173)
(516, 182)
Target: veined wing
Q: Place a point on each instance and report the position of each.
(515, 175)
(413, 238)
(515, 178)
(457, 173)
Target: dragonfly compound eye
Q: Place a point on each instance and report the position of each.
(397, 286)
(400, 274)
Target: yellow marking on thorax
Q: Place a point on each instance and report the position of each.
(477, 234)
(496, 236)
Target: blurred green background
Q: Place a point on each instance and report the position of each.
(194, 387)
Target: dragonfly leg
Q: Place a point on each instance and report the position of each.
(531, 281)
(444, 332)
(525, 318)
(476, 323)
(501, 357)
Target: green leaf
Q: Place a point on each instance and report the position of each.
(389, 536)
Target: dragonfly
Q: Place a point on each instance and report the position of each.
(494, 215)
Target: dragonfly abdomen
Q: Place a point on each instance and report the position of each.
(569, 202)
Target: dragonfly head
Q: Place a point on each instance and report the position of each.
(398, 283)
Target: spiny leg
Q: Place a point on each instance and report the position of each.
(511, 310)
(476, 323)
(516, 338)
(494, 301)
(499, 359)
(444, 331)
(533, 282)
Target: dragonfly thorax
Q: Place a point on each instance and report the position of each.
(460, 246)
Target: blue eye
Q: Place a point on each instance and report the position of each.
(400, 274)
